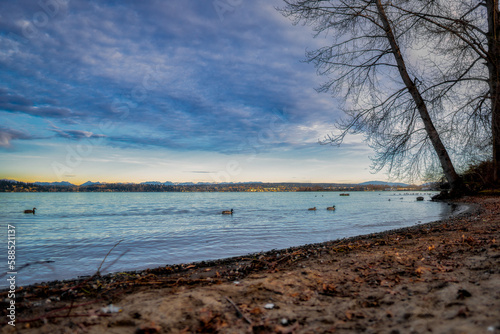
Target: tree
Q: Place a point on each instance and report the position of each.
(466, 36)
(391, 92)
(493, 61)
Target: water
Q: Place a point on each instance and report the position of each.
(77, 230)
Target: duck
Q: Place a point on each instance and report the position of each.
(227, 212)
(312, 209)
(331, 208)
(30, 211)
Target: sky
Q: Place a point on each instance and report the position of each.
(178, 90)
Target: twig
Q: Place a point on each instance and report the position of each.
(64, 316)
(116, 260)
(70, 307)
(239, 313)
(31, 263)
(98, 272)
(50, 315)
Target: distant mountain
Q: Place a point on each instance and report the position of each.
(12, 185)
(11, 181)
(382, 183)
(60, 184)
(158, 183)
(90, 183)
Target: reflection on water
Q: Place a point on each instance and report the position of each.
(71, 233)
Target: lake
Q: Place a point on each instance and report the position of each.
(75, 231)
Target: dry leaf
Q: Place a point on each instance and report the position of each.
(420, 270)
(256, 311)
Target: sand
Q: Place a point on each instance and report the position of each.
(442, 277)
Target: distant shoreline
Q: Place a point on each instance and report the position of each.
(16, 186)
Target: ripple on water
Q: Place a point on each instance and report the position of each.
(77, 230)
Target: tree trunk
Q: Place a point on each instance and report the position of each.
(494, 78)
(442, 153)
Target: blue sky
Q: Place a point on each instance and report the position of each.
(133, 91)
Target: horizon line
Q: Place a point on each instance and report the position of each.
(55, 183)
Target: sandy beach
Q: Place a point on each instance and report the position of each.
(442, 277)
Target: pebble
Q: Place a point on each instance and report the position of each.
(111, 309)
(269, 306)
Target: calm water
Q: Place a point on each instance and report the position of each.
(76, 230)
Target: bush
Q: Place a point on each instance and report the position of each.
(479, 176)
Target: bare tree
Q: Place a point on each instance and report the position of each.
(465, 35)
(375, 64)
(493, 62)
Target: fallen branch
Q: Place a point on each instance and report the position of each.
(65, 316)
(239, 313)
(98, 272)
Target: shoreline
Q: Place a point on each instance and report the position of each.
(467, 210)
(193, 246)
(40, 304)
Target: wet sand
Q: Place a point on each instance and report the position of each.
(441, 277)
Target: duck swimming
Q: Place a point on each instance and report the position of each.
(312, 209)
(227, 212)
(331, 208)
(30, 211)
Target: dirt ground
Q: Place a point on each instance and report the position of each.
(442, 277)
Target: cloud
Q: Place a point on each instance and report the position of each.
(17, 103)
(7, 135)
(77, 134)
(170, 74)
